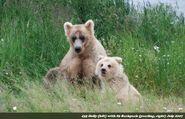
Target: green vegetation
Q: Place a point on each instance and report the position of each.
(32, 40)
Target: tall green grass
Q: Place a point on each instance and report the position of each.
(32, 40)
(66, 98)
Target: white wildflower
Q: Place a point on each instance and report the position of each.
(180, 108)
(14, 108)
(2, 39)
(156, 48)
(119, 103)
(6, 73)
(164, 108)
(168, 110)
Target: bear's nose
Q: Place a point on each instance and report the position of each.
(103, 70)
(77, 49)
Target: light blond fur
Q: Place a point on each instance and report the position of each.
(117, 80)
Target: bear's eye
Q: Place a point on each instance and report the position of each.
(101, 65)
(73, 38)
(109, 66)
(82, 38)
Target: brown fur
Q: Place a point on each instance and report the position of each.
(80, 65)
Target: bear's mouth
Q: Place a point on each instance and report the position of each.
(103, 74)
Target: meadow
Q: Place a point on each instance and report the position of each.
(151, 42)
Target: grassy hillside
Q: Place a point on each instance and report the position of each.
(32, 40)
(66, 98)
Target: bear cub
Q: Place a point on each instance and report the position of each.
(111, 71)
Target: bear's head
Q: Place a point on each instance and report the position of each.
(79, 36)
(108, 67)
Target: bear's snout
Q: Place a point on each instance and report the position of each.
(103, 71)
(78, 49)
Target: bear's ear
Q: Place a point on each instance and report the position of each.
(90, 26)
(67, 28)
(100, 57)
(118, 59)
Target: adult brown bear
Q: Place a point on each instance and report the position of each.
(82, 57)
